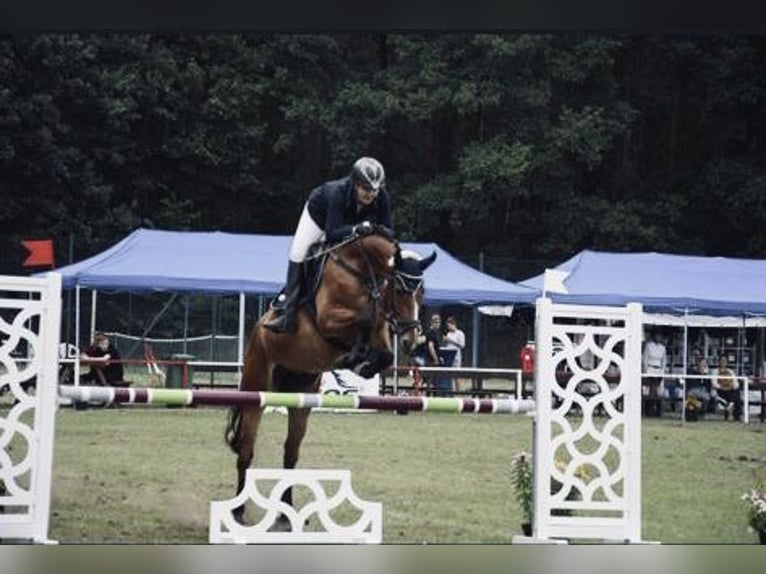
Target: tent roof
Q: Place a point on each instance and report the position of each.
(713, 285)
(218, 262)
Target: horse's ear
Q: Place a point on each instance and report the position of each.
(425, 263)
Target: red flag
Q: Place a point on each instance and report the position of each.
(40, 252)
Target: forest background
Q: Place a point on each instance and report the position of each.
(513, 151)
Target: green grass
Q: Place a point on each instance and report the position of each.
(137, 475)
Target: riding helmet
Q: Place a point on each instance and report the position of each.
(368, 172)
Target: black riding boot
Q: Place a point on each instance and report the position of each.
(286, 304)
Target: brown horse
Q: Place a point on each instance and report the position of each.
(367, 288)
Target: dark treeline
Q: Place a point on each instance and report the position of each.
(521, 147)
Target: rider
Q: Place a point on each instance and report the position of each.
(333, 210)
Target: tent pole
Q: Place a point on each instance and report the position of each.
(685, 366)
(77, 334)
(77, 316)
(475, 342)
(741, 369)
(214, 333)
(93, 302)
(241, 340)
(186, 322)
(741, 343)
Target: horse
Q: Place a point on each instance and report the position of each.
(365, 288)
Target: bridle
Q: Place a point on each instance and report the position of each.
(377, 285)
(404, 283)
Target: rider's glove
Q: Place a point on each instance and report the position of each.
(363, 228)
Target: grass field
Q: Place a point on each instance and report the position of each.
(138, 475)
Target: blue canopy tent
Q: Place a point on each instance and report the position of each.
(662, 282)
(683, 286)
(150, 260)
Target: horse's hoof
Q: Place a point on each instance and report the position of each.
(366, 370)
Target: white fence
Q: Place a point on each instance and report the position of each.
(264, 489)
(30, 318)
(595, 462)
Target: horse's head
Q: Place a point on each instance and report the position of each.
(407, 294)
(384, 283)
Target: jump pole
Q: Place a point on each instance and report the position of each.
(199, 397)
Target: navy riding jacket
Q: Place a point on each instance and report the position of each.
(333, 207)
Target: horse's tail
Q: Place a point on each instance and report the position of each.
(233, 428)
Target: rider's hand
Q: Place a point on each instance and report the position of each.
(363, 228)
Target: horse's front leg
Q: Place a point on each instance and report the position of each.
(243, 443)
(374, 353)
(360, 352)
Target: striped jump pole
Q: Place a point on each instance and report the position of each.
(189, 397)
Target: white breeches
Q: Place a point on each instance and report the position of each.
(306, 234)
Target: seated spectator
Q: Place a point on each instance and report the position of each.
(726, 386)
(701, 387)
(105, 363)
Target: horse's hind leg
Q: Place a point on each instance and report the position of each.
(297, 423)
(251, 418)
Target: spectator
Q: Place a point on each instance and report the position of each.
(105, 362)
(726, 386)
(434, 340)
(454, 338)
(653, 362)
(700, 386)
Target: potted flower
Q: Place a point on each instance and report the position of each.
(692, 407)
(756, 509)
(522, 481)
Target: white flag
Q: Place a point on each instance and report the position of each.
(553, 281)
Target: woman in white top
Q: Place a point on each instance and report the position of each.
(454, 338)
